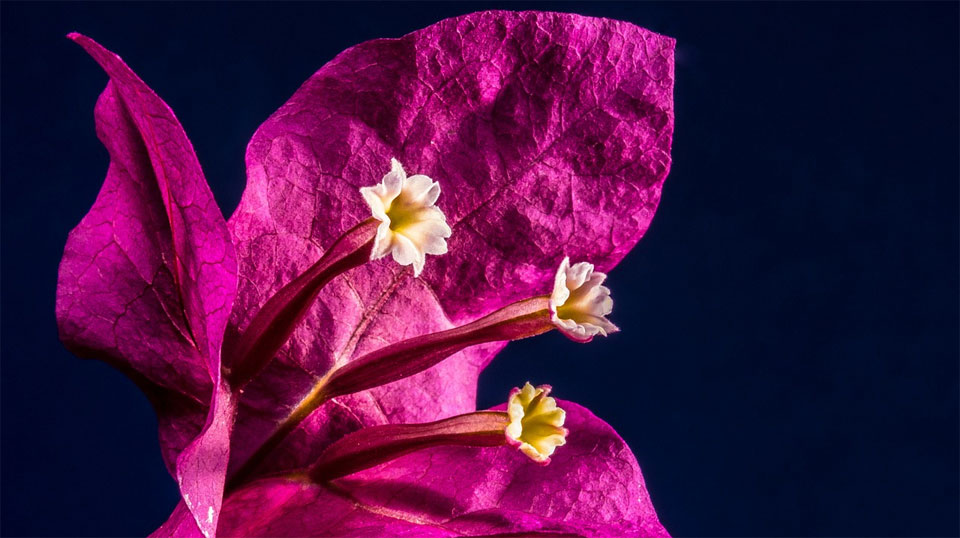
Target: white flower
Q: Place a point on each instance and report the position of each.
(579, 304)
(411, 226)
(536, 423)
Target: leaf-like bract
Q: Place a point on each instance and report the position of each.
(549, 135)
(148, 278)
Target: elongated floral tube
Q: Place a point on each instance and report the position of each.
(275, 321)
(532, 423)
(522, 319)
(379, 444)
(577, 306)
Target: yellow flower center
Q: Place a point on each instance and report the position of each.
(404, 212)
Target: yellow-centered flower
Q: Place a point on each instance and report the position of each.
(536, 423)
(579, 304)
(411, 226)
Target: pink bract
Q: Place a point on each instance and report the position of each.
(550, 136)
(593, 487)
(148, 277)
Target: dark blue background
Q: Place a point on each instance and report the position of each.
(789, 358)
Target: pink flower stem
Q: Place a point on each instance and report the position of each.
(275, 321)
(378, 444)
(521, 319)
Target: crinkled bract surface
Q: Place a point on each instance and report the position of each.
(550, 137)
(593, 487)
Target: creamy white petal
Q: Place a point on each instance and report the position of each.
(577, 274)
(374, 199)
(417, 188)
(432, 194)
(393, 181)
(560, 290)
(404, 251)
(382, 242)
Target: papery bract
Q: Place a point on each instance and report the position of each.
(592, 487)
(550, 136)
(148, 278)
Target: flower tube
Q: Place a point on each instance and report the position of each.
(532, 423)
(578, 306)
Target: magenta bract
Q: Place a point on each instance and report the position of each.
(593, 487)
(549, 135)
(148, 277)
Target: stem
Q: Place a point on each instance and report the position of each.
(275, 321)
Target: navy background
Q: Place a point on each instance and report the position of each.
(788, 361)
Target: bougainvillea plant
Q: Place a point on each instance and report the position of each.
(415, 205)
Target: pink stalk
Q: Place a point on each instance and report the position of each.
(276, 320)
(521, 319)
(372, 446)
